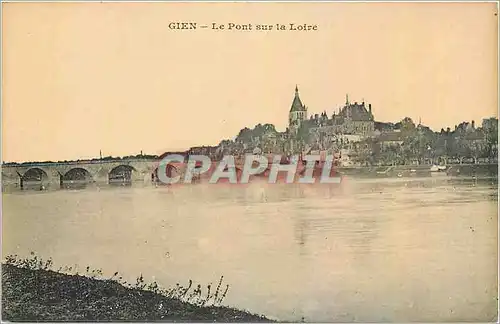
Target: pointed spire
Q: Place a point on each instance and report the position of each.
(347, 99)
(297, 104)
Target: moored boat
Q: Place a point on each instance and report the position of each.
(438, 170)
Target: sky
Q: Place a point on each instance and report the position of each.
(80, 78)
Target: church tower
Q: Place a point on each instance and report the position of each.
(298, 111)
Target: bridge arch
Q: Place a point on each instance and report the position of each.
(121, 173)
(35, 174)
(78, 174)
(170, 171)
(34, 177)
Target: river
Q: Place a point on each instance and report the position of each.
(371, 250)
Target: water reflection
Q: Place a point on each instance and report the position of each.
(367, 250)
(120, 183)
(301, 230)
(76, 185)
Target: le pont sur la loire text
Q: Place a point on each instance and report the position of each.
(242, 27)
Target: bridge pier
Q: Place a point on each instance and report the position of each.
(55, 179)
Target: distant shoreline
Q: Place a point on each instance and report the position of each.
(45, 295)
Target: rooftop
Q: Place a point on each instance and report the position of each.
(357, 112)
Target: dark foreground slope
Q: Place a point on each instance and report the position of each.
(44, 295)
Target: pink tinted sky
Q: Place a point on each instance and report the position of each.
(84, 77)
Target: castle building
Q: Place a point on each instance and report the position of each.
(353, 118)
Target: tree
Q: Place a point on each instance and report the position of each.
(491, 137)
(410, 139)
(407, 125)
(269, 128)
(244, 135)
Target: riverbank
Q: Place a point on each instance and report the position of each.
(464, 170)
(45, 295)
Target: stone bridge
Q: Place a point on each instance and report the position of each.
(57, 175)
(95, 171)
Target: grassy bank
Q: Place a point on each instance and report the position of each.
(37, 294)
